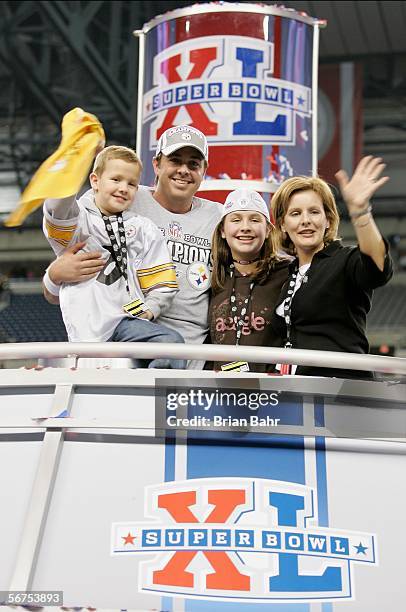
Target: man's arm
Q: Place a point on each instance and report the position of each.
(72, 266)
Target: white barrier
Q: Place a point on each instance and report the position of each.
(149, 350)
(86, 470)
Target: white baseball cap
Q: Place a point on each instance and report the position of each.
(245, 199)
(182, 136)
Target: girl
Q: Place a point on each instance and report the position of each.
(247, 277)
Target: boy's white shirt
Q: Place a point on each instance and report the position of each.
(91, 309)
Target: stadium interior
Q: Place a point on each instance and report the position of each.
(58, 55)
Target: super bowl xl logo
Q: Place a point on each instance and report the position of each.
(225, 87)
(243, 540)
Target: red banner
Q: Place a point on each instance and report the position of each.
(340, 118)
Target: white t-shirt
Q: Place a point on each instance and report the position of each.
(188, 236)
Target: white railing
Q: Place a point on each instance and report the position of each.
(225, 353)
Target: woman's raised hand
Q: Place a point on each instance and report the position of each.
(366, 180)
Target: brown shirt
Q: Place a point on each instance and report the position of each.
(257, 329)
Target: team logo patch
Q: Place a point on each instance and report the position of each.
(198, 275)
(226, 86)
(175, 230)
(241, 539)
(58, 165)
(130, 231)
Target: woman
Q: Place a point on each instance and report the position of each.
(326, 300)
(247, 278)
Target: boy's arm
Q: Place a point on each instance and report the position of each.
(50, 297)
(62, 208)
(50, 289)
(60, 222)
(157, 275)
(61, 215)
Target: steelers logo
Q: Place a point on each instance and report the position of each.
(130, 231)
(198, 276)
(58, 165)
(186, 136)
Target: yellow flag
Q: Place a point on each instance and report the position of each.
(64, 172)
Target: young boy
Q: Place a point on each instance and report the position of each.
(138, 280)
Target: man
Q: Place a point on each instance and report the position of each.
(187, 223)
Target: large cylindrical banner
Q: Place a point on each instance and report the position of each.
(246, 76)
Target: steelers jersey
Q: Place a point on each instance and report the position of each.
(92, 309)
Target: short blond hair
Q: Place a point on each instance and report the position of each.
(280, 204)
(115, 152)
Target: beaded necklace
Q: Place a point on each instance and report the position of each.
(119, 249)
(135, 307)
(287, 307)
(238, 318)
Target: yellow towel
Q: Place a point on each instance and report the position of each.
(64, 172)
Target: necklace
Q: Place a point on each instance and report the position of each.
(243, 262)
(119, 248)
(295, 281)
(287, 308)
(238, 319)
(302, 275)
(135, 307)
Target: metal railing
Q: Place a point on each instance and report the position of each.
(226, 353)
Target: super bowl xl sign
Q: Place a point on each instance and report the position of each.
(226, 87)
(241, 539)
